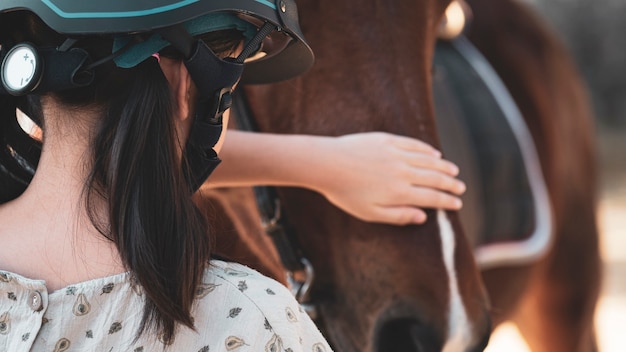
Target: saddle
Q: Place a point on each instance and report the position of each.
(506, 213)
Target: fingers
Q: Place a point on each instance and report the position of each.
(412, 212)
(425, 197)
(414, 145)
(423, 155)
(399, 216)
(404, 215)
(433, 172)
(421, 160)
(436, 180)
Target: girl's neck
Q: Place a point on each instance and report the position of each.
(46, 232)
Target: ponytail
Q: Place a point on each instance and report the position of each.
(160, 234)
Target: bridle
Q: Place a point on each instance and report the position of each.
(299, 271)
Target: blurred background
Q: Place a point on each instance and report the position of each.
(594, 31)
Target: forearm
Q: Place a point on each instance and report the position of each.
(270, 159)
(374, 176)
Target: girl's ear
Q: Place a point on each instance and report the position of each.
(180, 84)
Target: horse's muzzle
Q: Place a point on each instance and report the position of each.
(407, 335)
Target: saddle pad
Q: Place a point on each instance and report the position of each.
(506, 215)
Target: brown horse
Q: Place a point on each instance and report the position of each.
(417, 288)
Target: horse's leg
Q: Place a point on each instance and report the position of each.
(556, 311)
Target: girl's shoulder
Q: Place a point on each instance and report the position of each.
(252, 309)
(249, 282)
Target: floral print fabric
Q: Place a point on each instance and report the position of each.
(236, 309)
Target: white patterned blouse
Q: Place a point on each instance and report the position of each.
(237, 309)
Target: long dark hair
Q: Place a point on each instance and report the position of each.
(162, 237)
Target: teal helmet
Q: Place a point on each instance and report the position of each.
(274, 50)
(283, 53)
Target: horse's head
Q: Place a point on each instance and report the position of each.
(378, 288)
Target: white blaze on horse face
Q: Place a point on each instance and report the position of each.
(459, 328)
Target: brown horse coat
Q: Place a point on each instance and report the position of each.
(380, 287)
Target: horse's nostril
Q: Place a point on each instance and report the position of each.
(407, 335)
(485, 340)
(480, 347)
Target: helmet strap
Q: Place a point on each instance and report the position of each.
(253, 45)
(214, 78)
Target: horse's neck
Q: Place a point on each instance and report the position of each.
(379, 23)
(375, 80)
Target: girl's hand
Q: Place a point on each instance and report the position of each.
(381, 177)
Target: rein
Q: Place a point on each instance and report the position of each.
(299, 270)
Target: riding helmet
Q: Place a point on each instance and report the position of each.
(274, 50)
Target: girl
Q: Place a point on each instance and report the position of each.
(105, 250)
